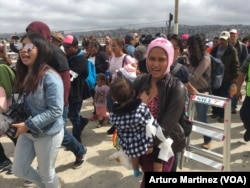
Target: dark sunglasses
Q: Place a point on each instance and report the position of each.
(28, 47)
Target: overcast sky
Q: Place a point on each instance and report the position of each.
(87, 15)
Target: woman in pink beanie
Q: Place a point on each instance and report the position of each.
(165, 46)
(165, 97)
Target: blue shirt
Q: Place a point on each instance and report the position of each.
(130, 49)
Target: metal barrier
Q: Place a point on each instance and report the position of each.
(208, 157)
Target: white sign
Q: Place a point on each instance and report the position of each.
(210, 101)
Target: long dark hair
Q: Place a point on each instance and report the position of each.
(39, 67)
(196, 49)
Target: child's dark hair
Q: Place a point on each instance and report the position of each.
(121, 90)
(102, 77)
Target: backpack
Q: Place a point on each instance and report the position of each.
(91, 78)
(184, 121)
(217, 72)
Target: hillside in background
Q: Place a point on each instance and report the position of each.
(209, 31)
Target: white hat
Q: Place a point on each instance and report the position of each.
(233, 31)
(224, 35)
(209, 44)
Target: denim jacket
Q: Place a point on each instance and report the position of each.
(45, 106)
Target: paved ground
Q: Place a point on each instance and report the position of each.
(100, 171)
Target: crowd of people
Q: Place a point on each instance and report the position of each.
(133, 85)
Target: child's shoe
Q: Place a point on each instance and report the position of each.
(137, 173)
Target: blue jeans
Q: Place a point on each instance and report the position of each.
(69, 141)
(244, 113)
(76, 119)
(45, 149)
(201, 110)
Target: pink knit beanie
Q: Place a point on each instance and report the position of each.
(166, 46)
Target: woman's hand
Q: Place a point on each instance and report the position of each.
(21, 128)
(150, 150)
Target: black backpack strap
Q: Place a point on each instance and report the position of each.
(18, 97)
(124, 60)
(138, 82)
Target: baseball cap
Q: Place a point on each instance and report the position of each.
(57, 36)
(185, 36)
(224, 35)
(233, 31)
(70, 40)
(209, 44)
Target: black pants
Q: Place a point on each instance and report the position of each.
(3, 157)
(174, 167)
(221, 92)
(109, 102)
(244, 113)
(93, 95)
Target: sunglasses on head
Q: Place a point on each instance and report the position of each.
(28, 47)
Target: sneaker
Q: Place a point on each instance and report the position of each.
(27, 183)
(111, 130)
(80, 160)
(137, 173)
(206, 145)
(5, 165)
(99, 125)
(247, 136)
(233, 111)
(221, 120)
(214, 116)
(9, 170)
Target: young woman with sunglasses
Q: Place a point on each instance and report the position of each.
(41, 134)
